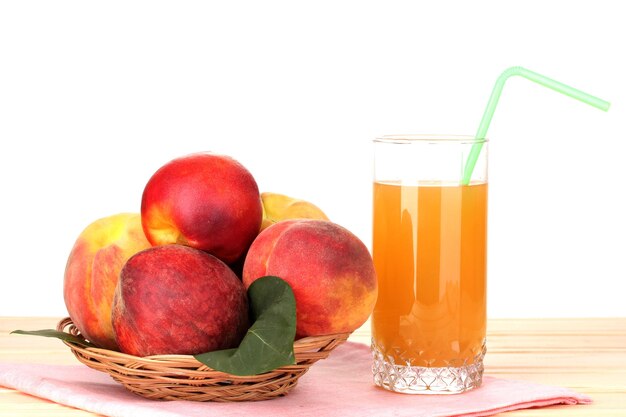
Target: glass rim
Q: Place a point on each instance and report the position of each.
(429, 138)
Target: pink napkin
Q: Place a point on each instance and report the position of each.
(340, 385)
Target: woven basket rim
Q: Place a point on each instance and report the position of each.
(299, 345)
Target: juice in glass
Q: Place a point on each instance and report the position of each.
(429, 249)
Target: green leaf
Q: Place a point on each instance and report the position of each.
(57, 334)
(268, 344)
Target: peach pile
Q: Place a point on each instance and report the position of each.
(172, 279)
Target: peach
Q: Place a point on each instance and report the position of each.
(278, 207)
(92, 272)
(329, 269)
(173, 299)
(207, 201)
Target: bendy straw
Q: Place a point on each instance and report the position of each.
(495, 96)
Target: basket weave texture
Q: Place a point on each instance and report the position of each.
(182, 377)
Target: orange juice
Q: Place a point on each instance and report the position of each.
(429, 249)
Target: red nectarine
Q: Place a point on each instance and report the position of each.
(207, 201)
(173, 299)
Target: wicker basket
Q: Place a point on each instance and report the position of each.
(182, 377)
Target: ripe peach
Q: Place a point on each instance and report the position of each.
(329, 269)
(278, 207)
(173, 299)
(207, 201)
(92, 271)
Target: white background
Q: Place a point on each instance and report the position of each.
(94, 97)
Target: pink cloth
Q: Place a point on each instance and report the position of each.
(338, 386)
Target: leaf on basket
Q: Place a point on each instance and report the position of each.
(268, 344)
(57, 334)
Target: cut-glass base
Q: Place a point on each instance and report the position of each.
(426, 380)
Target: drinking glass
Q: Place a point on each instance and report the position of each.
(430, 254)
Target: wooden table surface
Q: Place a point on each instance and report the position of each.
(586, 355)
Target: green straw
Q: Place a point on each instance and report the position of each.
(495, 96)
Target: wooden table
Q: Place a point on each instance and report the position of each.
(587, 355)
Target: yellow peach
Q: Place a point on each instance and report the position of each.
(278, 207)
(92, 271)
(329, 269)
